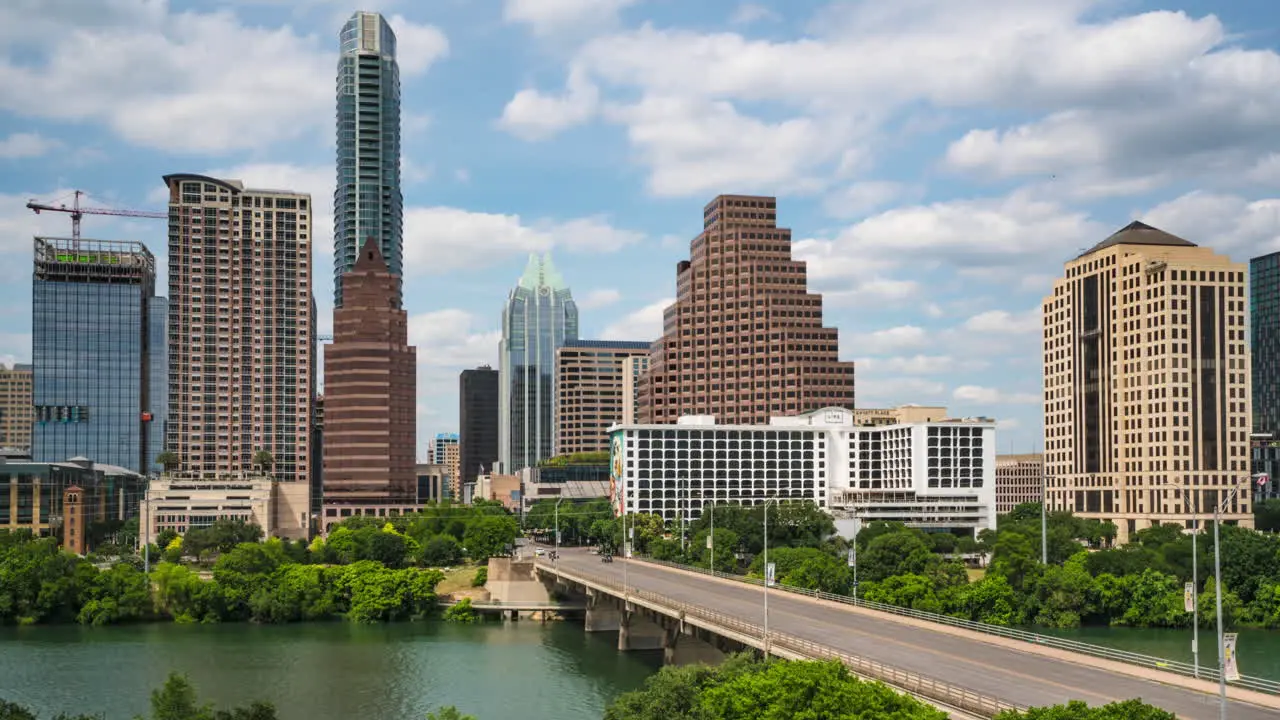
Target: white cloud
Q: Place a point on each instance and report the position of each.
(598, 298)
(15, 348)
(533, 115)
(643, 325)
(186, 82)
(443, 239)
(878, 291)
(1003, 321)
(893, 391)
(417, 46)
(748, 13)
(25, 145)
(884, 342)
(451, 339)
(992, 396)
(550, 17)
(861, 198)
(1226, 223)
(909, 365)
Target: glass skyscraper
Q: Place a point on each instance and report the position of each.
(539, 317)
(95, 322)
(367, 202)
(1264, 321)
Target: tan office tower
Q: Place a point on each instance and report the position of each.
(370, 395)
(240, 327)
(15, 407)
(744, 339)
(1146, 383)
(1019, 479)
(634, 368)
(590, 390)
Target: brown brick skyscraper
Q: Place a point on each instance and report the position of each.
(744, 339)
(370, 393)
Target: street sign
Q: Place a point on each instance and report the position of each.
(1230, 670)
(1188, 597)
(768, 574)
(708, 541)
(853, 557)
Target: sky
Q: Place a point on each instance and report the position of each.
(937, 160)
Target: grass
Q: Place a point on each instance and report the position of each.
(976, 574)
(456, 579)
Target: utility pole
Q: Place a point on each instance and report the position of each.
(766, 577)
(1044, 527)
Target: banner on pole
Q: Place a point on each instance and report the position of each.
(768, 574)
(1188, 597)
(1230, 670)
(853, 557)
(708, 541)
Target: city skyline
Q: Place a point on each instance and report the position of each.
(952, 230)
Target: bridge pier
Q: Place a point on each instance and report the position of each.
(682, 645)
(603, 613)
(637, 632)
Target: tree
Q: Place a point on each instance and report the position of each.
(490, 536)
(1266, 515)
(263, 460)
(449, 713)
(177, 700)
(169, 460)
(461, 612)
(441, 551)
(1076, 710)
(222, 536)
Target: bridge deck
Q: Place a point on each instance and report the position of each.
(1012, 671)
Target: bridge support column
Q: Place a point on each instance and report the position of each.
(603, 614)
(682, 646)
(637, 632)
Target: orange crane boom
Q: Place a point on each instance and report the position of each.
(77, 212)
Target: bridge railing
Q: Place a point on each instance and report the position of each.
(1250, 682)
(944, 693)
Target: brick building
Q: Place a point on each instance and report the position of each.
(590, 387)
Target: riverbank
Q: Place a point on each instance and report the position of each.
(325, 671)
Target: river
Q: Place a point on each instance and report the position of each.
(329, 671)
(1257, 651)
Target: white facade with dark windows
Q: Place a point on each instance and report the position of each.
(932, 474)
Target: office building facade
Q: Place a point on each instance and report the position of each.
(633, 369)
(92, 352)
(477, 422)
(936, 475)
(1147, 383)
(540, 316)
(240, 327)
(446, 452)
(370, 395)
(1019, 479)
(744, 339)
(367, 201)
(590, 389)
(1264, 343)
(61, 499)
(15, 406)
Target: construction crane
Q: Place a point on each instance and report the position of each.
(77, 212)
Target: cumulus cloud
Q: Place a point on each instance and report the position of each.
(452, 338)
(598, 298)
(551, 17)
(1227, 223)
(749, 13)
(1003, 321)
(643, 325)
(534, 115)
(884, 342)
(25, 145)
(909, 365)
(893, 391)
(418, 46)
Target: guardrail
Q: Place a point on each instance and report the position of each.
(941, 692)
(516, 605)
(1250, 682)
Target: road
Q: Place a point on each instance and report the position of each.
(1015, 676)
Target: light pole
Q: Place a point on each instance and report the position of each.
(767, 503)
(711, 538)
(683, 512)
(1044, 527)
(1217, 579)
(556, 552)
(1195, 580)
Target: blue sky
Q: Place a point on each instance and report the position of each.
(937, 160)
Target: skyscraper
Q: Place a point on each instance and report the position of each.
(367, 202)
(92, 351)
(744, 340)
(15, 406)
(1146, 383)
(1264, 323)
(445, 451)
(370, 396)
(539, 317)
(240, 327)
(590, 391)
(477, 422)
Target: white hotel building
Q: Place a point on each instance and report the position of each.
(938, 474)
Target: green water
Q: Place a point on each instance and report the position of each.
(331, 671)
(1258, 651)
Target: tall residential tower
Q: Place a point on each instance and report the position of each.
(240, 327)
(744, 340)
(1146, 384)
(367, 202)
(539, 317)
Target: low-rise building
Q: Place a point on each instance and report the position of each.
(1019, 479)
(570, 480)
(901, 415)
(502, 488)
(185, 501)
(433, 482)
(937, 474)
(64, 499)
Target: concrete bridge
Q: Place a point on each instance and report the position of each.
(695, 617)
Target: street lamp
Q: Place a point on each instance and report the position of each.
(1195, 579)
(767, 503)
(711, 538)
(1217, 579)
(684, 501)
(556, 554)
